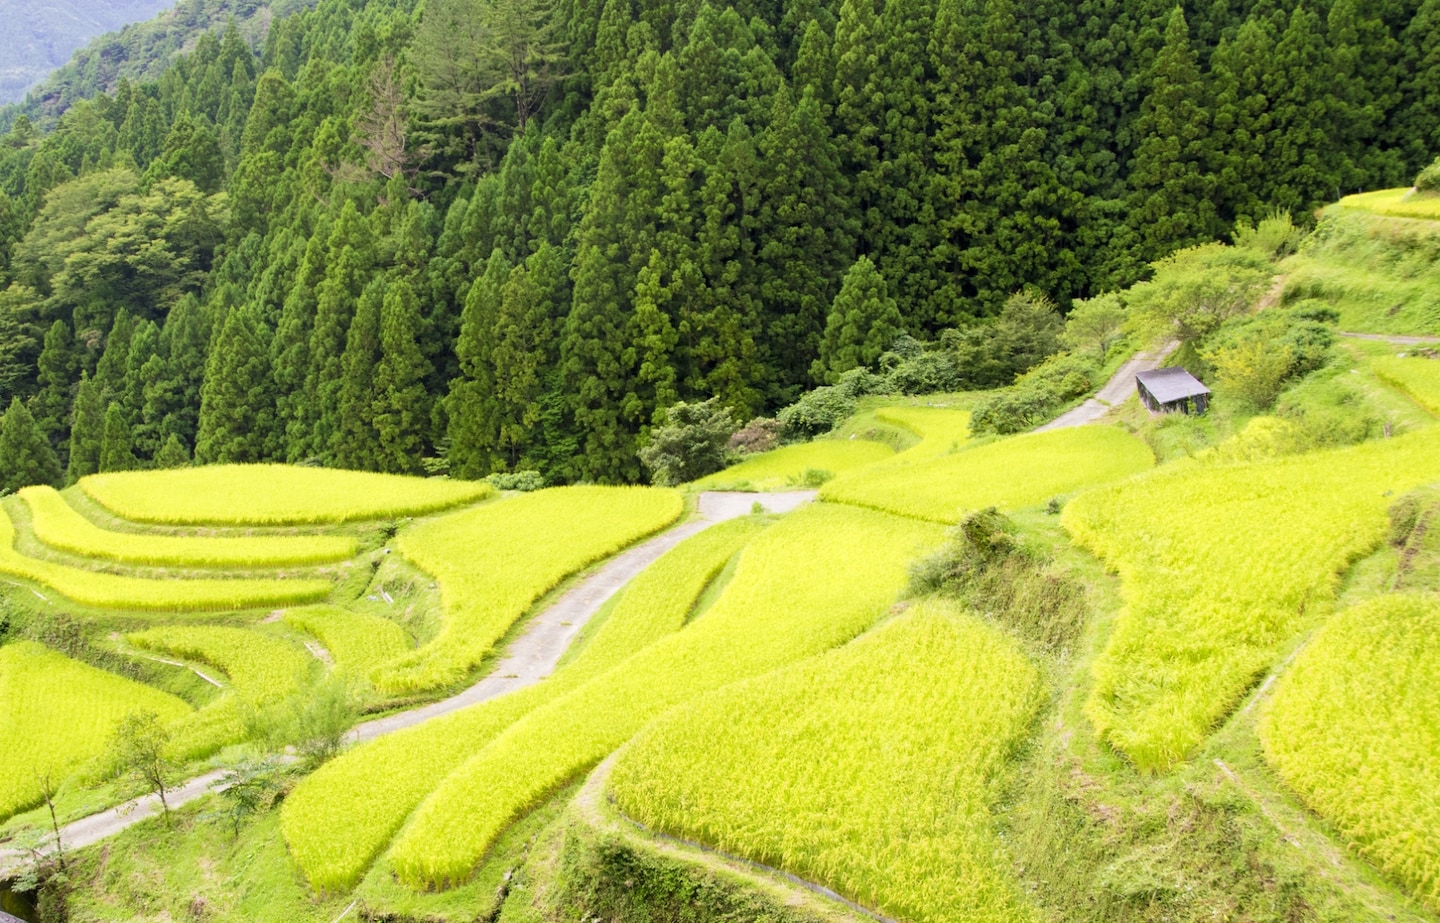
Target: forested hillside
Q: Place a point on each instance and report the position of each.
(504, 235)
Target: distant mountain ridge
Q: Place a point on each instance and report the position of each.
(41, 35)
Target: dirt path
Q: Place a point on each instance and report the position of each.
(1118, 388)
(1394, 340)
(529, 659)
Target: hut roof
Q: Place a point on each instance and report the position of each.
(1172, 384)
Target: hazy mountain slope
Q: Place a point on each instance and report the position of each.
(41, 35)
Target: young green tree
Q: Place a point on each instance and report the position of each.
(689, 443)
(1095, 325)
(137, 750)
(401, 407)
(172, 454)
(59, 369)
(864, 320)
(470, 405)
(27, 453)
(87, 430)
(116, 453)
(236, 401)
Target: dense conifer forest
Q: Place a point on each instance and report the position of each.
(499, 236)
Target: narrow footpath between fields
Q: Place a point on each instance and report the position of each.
(527, 660)
(1394, 340)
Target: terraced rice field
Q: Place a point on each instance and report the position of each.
(808, 584)
(1221, 567)
(112, 591)
(1013, 473)
(1417, 377)
(1395, 203)
(359, 643)
(273, 495)
(796, 465)
(261, 668)
(495, 561)
(60, 526)
(339, 819)
(56, 714)
(888, 749)
(1354, 728)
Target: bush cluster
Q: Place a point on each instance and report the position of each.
(1036, 396)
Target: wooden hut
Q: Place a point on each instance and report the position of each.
(1172, 390)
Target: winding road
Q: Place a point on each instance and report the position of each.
(1116, 390)
(528, 659)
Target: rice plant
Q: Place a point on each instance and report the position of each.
(1354, 728)
(869, 770)
(58, 525)
(789, 465)
(261, 668)
(358, 642)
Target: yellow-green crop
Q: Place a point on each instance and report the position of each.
(495, 561)
(870, 769)
(1419, 378)
(273, 495)
(339, 819)
(1221, 566)
(1011, 473)
(941, 429)
(57, 713)
(260, 667)
(788, 466)
(1395, 203)
(358, 642)
(57, 524)
(1354, 727)
(110, 591)
(810, 583)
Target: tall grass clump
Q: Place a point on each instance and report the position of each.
(57, 713)
(1012, 473)
(338, 820)
(60, 526)
(1221, 566)
(1354, 728)
(111, 591)
(870, 769)
(273, 495)
(495, 561)
(808, 584)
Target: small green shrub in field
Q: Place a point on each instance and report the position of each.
(1012, 474)
(808, 584)
(690, 443)
(1036, 396)
(58, 525)
(1418, 377)
(786, 466)
(358, 642)
(1428, 179)
(1221, 565)
(1354, 728)
(261, 668)
(338, 820)
(819, 411)
(495, 561)
(109, 591)
(523, 481)
(273, 495)
(57, 713)
(868, 769)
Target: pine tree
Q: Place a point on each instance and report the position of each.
(471, 404)
(348, 266)
(355, 443)
(27, 453)
(236, 401)
(87, 430)
(110, 371)
(172, 454)
(115, 451)
(400, 407)
(59, 368)
(1173, 199)
(864, 321)
(523, 350)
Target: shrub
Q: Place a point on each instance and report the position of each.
(1429, 179)
(759, 435)
(523, 481)
(690, 443)
(817, 412)
(1036, 396)
(1276, 236)
(1095, 325)
(927, 373)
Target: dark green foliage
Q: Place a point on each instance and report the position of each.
(986, 568)
(59, 370)
(236, 404)
(116, 453)
(1036, 397)
(27, 453)
(1026, 332)
(1429, 178)
(172, 454)
(400, 406)
(690, 443)
(87, 430)
(820, 410)
(864, 320)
